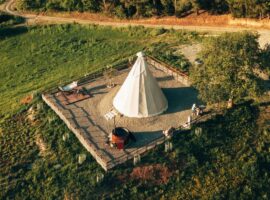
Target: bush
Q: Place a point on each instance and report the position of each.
(170, 56)
(120, 12)
(182, 8)
(158, 31)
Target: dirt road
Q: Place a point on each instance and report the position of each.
(213, 30)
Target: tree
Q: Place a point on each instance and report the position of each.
(265, 56)
(129, 7)
(68, 5)
(168, 7)
(108, 5)
(249, 8)
(228, 67)
(53, 5)
(217, 6)
(195, 6)
(141, 6)
(26, 4)
(262, 8)
(91, 5)
(182, 6)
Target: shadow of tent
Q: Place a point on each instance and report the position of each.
(144, 138)
(180, 99)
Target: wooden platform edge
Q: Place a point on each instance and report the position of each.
(177, 75)
(77, 133)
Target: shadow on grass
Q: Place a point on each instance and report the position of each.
(12, 31)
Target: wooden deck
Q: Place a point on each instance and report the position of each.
(93, 136)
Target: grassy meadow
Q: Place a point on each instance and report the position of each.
(36, 58)
(37, 164)
(226, 157)
(35, 160)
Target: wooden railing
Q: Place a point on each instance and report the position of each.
(177, 74)
(90, 77)
(153, 144)
(168, 69)
(196, 120)
(138, 151)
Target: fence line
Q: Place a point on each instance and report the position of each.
(138, 151)
(89, 77)
(168, 69)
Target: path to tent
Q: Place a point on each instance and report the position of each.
(86, 118)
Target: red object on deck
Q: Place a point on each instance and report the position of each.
(120, 137)
(120, 145)
(119, 141)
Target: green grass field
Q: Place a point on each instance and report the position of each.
(226, 157)
(35, 58)
(229, 157)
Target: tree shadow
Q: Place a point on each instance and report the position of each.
(264, 104)
(12, 31)
(266, 84)
(180, 99)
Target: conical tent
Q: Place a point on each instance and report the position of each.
(140, 95)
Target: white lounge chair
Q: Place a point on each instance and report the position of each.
(69, 87)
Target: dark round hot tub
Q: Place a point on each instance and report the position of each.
(121, 136)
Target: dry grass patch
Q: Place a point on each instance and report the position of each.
(157, 174)
(27, 100)
(43, 150)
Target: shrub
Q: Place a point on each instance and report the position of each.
(158, 31)
(165, 53)
(120, 12)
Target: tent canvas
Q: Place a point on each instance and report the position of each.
(140, 95)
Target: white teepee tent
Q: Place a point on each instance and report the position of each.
(140, 95)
